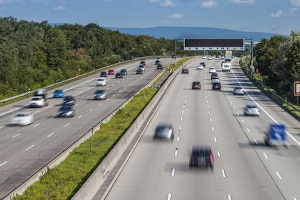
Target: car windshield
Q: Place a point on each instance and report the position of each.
(99, 91)
(251, 106)
(21, 115)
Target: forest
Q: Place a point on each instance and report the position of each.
(34, 55)
(277, 61)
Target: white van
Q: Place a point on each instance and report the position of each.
(226, 67)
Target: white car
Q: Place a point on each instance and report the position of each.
(37, 101)
(201, 67)
(23, 118)
(238, 90)
(212, 69)
(251, 109)
(101, 81)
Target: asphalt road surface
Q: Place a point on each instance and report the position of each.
(25, 150)
(245, 168)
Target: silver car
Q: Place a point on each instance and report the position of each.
(251, 109)
(238, 90)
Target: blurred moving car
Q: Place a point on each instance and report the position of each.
(142, 67)
(22, 118)
(201, 67)
(139, 71)
(251, 109)
(216, 86)
(202, 63)
(68, 100)
(238, 90)
(196, 85)
(123, 72)
(58, 93)
(185, 71)
(119, 75)
(201, 156)
(103, 74)
(143, 62)
(214, 75)
(212, 69)
(111, 72)
(100, 94)
(37, 101)
(66, 110)
(101, 81)
(164, 131)
(159, 66)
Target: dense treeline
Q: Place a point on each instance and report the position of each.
(278, 62)
(34, 55)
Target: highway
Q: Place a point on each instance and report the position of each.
(25, 150)
(245, 168)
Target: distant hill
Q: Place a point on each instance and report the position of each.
(194, 32)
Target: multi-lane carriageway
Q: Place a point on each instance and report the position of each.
(25, 150)
(245, 168)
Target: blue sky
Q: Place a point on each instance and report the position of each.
(273, 16)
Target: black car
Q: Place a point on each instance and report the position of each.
(216, 86)
(196, 85)
(68, 100)
(164, 131)
(103, 74)
(66, 111)
(185, 71)
(119, 75)
(123, 72)
(213, 75)
(100, 94)
(159, 66)
(202, 63)
(201, 156)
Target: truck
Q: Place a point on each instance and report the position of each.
(228, 56)
(276, 135)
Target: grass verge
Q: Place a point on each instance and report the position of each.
(63, 181)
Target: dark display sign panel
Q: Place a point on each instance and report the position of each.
(214, 44)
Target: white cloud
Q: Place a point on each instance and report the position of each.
(277, 14)
(295, 3)
(243, 1)
(167, 3)
(59, 8)
(176, 16)
(209, 4)
(164, 3)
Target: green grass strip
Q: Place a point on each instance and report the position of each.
(64, 180)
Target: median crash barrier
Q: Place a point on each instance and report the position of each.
(106, 173)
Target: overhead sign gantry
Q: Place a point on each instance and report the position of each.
(237, 44)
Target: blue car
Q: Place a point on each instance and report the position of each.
(58, 94)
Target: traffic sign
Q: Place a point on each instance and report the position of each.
(237, 44)
(297, 88)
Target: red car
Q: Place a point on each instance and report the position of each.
(143, 63)
(111, 72)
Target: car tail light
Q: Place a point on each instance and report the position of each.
(211, 157)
